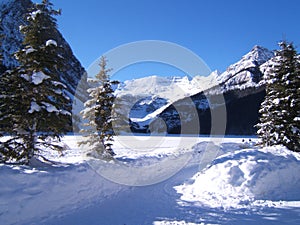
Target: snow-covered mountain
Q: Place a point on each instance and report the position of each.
(246, 72)
(158, 98)
(153, 93)
(12, 16)
(171, 88)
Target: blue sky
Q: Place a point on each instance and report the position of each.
(218, 31)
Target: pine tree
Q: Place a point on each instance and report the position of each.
(280, 111)
(34, 106)
(98, 113)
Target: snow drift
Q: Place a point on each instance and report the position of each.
(246, 177)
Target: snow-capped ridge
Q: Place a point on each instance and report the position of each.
(259, 54)
(256, 57)
(242, 74)
(246, 72)
(171, 88)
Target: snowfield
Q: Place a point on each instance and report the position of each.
(182, 181)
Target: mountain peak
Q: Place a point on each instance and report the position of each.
(246, 71)
(258, 54)
(258, 48)
(256, 57)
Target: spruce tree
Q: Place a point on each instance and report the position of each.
(34, 106)
(280, 111)
(98, 113)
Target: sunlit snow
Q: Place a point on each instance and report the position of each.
(34, 107)
(30, 50)
(39, 77)
(35, 13)
(51, 42)
(238, 184)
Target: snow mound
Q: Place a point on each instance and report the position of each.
(245, 177)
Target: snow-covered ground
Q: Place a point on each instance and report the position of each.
(182, 181)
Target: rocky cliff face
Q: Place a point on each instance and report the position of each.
(12, 16)
(203, 113)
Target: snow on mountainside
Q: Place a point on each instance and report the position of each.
(155, 93)
(154, 96)
(12, 16)
(246, 72)
(170, 88)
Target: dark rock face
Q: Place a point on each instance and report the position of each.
(241, 114)
(12, 15)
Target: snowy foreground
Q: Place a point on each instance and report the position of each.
(159, 181)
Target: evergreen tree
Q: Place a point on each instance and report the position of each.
(98, 113)
(280, 111)
(34, 106)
